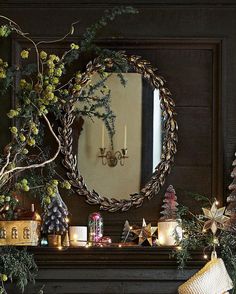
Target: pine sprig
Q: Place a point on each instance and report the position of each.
(195, 238)
(89, 36)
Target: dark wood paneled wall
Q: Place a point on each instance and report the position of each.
(193, 44)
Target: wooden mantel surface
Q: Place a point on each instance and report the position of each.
(128, 257)
(130, 270)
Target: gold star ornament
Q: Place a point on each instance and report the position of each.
(215, 218)
(145, 233)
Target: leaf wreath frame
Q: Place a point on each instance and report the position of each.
(170, 139)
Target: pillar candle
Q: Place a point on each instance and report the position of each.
(103, 136)
(167, 231)
(125, 137)
(78, 236)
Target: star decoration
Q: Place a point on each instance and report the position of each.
(145, 233)
(216, 218)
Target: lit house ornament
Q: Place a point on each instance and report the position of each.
(19, 233)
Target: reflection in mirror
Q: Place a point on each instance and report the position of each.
(138, 136)
(157, 129)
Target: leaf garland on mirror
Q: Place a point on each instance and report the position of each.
(170, 139)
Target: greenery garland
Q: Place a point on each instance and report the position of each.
(41, 90)
(195, 237)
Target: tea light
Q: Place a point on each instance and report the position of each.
(78, 236)
(168, 231)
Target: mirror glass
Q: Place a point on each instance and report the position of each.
(138, 137)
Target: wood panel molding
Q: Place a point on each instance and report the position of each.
(101, 3)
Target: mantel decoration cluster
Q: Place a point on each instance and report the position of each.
(47, 91)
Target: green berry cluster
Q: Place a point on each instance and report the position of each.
(14, 130)
(25, 85)
(34, 128)
(47, 87)
(14, 112)
(66, 185)
(4, 31)
(3, 67)
(24, 54)
(3, 277)
(51, 190)
(74, 46)
(4, 199)
(23, 185)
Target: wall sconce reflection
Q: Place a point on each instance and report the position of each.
(111, 157)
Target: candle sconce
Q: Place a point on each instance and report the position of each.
(112, 158)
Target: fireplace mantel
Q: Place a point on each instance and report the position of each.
(139, 270)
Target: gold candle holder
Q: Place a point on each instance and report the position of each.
(111, 158)
(54, 240)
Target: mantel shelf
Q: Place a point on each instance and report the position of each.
(128, 257)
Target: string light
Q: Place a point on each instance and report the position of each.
(59, 247)
(215, 241)
(67, 220)
(217, 202)
(179, 248)
(205, 256)
(119, 245)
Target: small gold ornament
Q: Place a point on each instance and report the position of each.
(216, 218)
(66, 240)
(145, 233)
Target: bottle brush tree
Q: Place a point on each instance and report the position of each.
(170, 205)
(231, 199)
(55, 216)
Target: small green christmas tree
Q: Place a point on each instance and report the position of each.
(170, 204)
(231, 199)
(55, 216)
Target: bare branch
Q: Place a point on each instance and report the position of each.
(71, 31)
(22, 168)
(7, 161)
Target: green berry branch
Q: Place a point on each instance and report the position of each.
(42, 89)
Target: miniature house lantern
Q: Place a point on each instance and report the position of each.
(19, 233)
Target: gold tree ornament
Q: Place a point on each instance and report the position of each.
(216, 218)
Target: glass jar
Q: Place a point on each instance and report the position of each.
(95, 226)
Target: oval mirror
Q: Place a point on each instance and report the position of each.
(122, 170)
